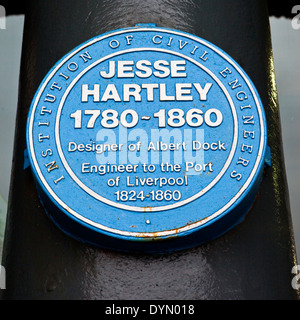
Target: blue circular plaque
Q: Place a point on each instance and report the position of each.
(146, 134)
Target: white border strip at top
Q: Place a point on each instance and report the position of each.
(160, 233)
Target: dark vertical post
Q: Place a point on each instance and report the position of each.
(253, 261)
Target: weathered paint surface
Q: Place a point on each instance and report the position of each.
(253, 261)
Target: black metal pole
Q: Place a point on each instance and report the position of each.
(253, 261)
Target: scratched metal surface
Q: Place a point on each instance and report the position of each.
(253, 261)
